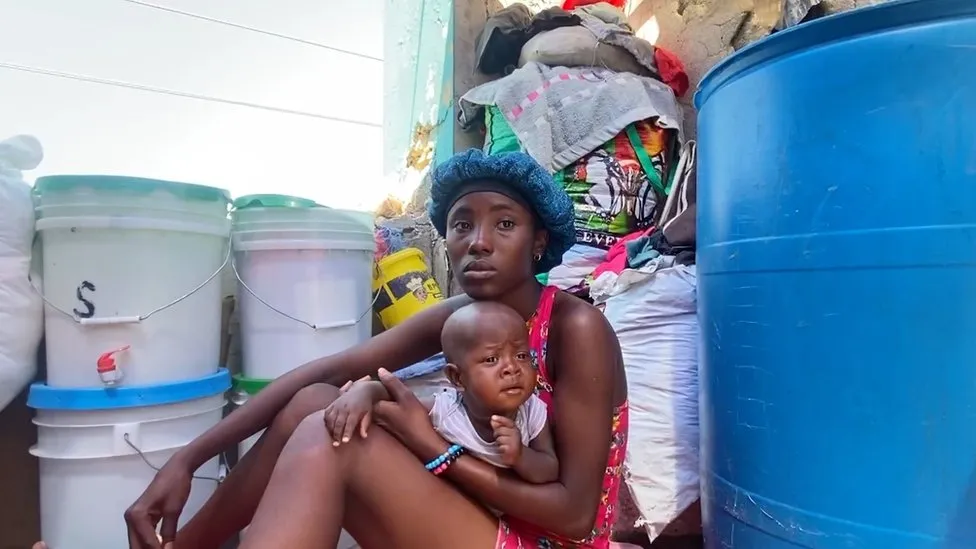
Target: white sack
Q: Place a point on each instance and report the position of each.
(653, 313)
(21, 309)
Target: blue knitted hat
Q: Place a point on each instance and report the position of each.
(526, 177)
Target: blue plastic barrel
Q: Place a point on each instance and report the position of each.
(837, 284)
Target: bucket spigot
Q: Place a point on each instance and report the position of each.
(108, 369)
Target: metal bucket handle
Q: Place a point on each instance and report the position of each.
(112, 320)
(127, 439)
(316, 327)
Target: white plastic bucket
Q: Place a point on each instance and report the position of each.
(304, 274)
(98, 451)
(368, 219)
(128, 265)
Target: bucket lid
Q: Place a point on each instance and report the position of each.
(273, 201)
(250, 385)
(404, 254)
(296, 225)
(43, 397)
(116, 183)
(368, 219)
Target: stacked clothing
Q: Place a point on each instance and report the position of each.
(560, 114)
(617, 188)
(620, 187)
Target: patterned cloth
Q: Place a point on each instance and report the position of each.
(516, 534)
(614, 194)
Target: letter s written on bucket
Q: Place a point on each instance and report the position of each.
(88, 307)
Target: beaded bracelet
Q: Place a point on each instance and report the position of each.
(440, 464)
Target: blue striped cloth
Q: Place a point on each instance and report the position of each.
(430, 365)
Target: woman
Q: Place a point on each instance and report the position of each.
(504, 220)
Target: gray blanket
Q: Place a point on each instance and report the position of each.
(560, 114)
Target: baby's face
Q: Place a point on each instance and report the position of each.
(496, 370)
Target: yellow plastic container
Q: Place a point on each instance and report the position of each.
(405, 287)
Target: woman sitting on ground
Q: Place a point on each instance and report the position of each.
(504, 220)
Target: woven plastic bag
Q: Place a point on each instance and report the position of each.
(653, 312)
(21, 308)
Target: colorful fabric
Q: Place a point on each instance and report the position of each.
(616, 189)
(672, 71)
(516, 534)
(617, 254)
(499, 136)
(574, 272)
(570, 5)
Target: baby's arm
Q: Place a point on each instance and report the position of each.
(538, 463)
(535, 463)
(377, 393)
(353, 409)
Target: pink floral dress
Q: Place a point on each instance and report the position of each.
(517, 534)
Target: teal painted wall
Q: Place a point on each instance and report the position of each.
(418, 77)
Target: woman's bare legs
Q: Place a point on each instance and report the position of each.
(388, 498)
(300, 510)
(233, 503)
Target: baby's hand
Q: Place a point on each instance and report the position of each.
(353, 409)
(508, 438)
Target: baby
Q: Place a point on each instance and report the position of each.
(492, 410)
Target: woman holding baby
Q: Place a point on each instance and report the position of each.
(526, 452)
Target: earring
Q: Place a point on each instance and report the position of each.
(537, 257)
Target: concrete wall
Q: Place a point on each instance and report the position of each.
(703, 32)
(417, 74)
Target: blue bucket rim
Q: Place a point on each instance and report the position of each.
(840, 26)
(44, 397)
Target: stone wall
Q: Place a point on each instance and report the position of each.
(703, 32)
(700, 32)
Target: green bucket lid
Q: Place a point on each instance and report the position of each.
(273, 201)
(249, 385)
(139, 185)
